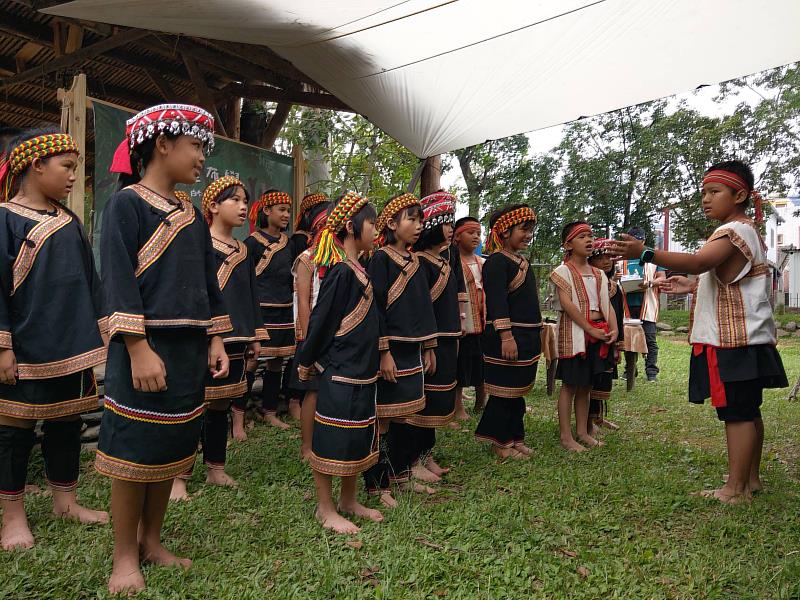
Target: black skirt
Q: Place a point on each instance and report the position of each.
(279, 323)
(581, 371)
(407, 396)
(148, 437)
(235, 384)
(745, 373)
(440, 388)
(470, 361)
(511, 379)
(50, 398)
(345, 438)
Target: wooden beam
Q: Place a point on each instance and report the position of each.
(299, 177)
(26, 53)
(431, 176)
(76, 57)
(73, 121)
(275, 124)
(74, 38)
(59, 38)
(271, 94)
(42, 108)
(262, 56)
(233, 118)
(162, 85)
(205, 95)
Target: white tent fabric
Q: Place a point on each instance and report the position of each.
(442, 75)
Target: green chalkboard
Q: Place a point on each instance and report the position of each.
(258, 169)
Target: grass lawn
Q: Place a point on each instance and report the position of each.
(616, 522)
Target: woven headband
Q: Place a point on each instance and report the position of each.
(393, 208)
(523, 214)
(329, 249)
(469, 226)
(214, 190)
(22, 156)
(576, 231)
(268, 199)
(734, 181)
(177, 119)
(308, 202)
(438, 208)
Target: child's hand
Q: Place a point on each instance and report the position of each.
(253, 350)
(677, 284)
(8, 367)
(429, 360)
(218, 361)
(388, 367)
(147, 369)
(612, 336)
(598, 334)
(508, 348)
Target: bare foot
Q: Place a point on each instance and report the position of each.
(435, 467)
(239, 433)
(523, 449)
(462, 415)
(294, 409)
(609, 425)
(273, 420)
(590, 441)
(505, 453)
(359, 510)
(157, 554)
(388, 500)
(220, 477)
(754, 485)
(126, 579)
(15, 535)
(418, 471)
(418, 488)
(305, 453)
(479, 406)
(571, 445)
(454, 425)
(178, 492)
(335, 522)
(32, 488)
(726, 496)
(76, 512)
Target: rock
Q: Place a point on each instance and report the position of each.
(796, 334)
(682, 329)
(667, 333)
(90, 433)
(664, 326)
(790, 326)
(783, 333)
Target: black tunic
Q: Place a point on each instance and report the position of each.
(446, 289)
(342, 342)
(237, 280)
(51, 312)
(160, 281)
(273, 258)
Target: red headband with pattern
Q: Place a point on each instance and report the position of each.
(438, 208)
(736, 183)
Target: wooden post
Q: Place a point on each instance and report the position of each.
(73, 121)
(299, 177)
(431, 175)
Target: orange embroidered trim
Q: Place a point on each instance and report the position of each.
(63, 367)
(270, 250)
(232, 260)
(130, 471)
(34, 241)
(123, 323)
(178, 217)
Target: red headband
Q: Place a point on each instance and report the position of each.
(576, 231)
(735, 182)
(468, 226)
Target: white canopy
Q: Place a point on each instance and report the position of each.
(441, 75)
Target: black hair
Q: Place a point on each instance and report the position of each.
(567, 229)
(408, 212)
(6, 135)
(141, 156)
(739, 168)
(367, 213)
(430, 238)
(308, 217)
(463, 220)
(228, 192)
(23, 136)
(638, 232)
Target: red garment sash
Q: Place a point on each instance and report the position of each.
(718, 397)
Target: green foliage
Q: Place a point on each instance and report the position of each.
(615, 522)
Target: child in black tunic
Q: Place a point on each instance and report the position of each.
(52, 328)
(342, 345)
(512, 338)
(166, 315)
(274, 256)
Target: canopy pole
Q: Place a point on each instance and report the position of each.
(431, 175)
(412, 185)
(73, 122)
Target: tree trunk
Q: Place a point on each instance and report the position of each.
(431, 176)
